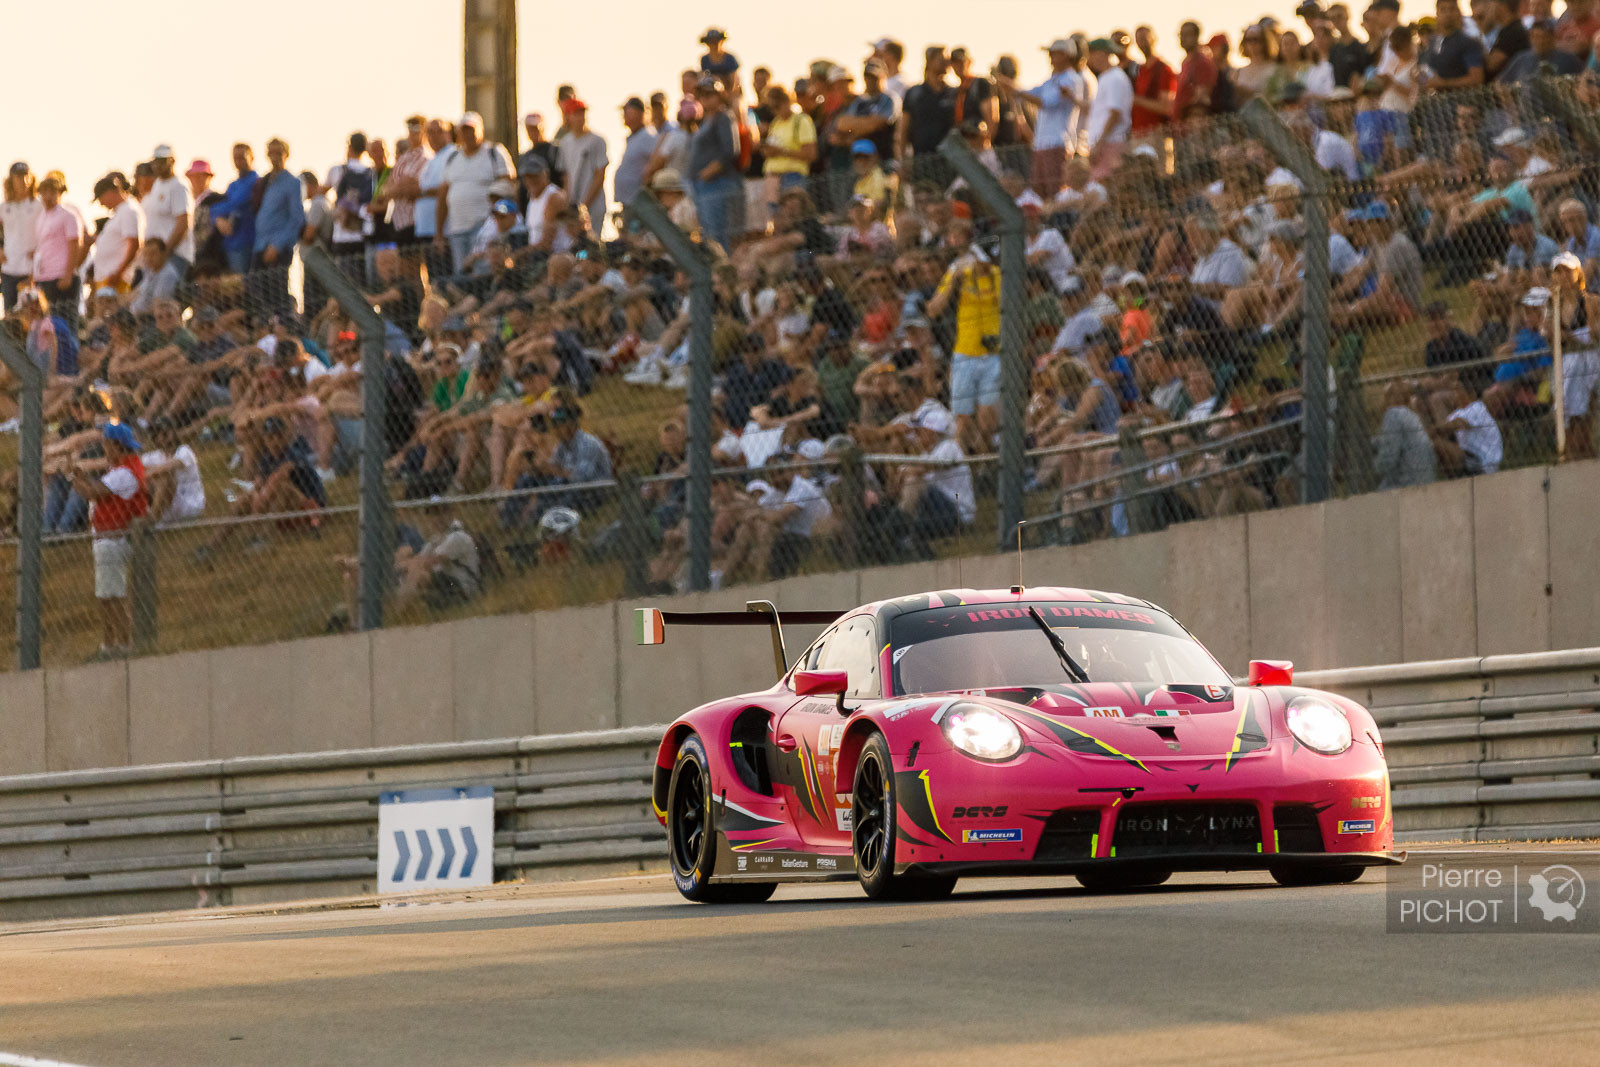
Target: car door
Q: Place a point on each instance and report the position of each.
(809, 732)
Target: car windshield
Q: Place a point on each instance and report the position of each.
(977, 647)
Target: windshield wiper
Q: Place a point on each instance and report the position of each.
(1070, 665)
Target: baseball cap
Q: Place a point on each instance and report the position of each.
(532, 163)
(471, 118)
(1073, 283)
(837, 73)
(863, 147)
(1518, 215)
(1148, 151)
(533, 118)
(633, 101)
(163, 151)
(1537, 297)
(708, 83)
(105, 290)
(199, 166)
(1111, 275)
(1064, 45)
(1101, 44)
(573, 105)
(873, 66)
(19, 168)
(453, 324)
(862, 199)
(1511, 136)
(119, 433)
(1030, 199)
(56, 178)
(1567, 260)
(505, 207)
(1377, 211)
(713, 34)
(1133, 277)
(667, 180)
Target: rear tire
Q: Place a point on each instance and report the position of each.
(872, 835)
(1304, 876)
(692, 836)
(1114, 881)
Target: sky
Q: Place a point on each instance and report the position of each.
(111, 81)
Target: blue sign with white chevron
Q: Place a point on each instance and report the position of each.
(435, 839)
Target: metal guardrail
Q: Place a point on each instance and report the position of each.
(1503, 747)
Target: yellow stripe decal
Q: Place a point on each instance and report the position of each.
(1081, 733)
(1238, 737)
(751, 844)
(1277, 846)
(927, 788)
(1094, 845)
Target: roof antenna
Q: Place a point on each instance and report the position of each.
(1018, 587)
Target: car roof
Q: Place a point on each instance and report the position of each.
(949, 598)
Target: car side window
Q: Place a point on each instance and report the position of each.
(852, 650)
(811, 657)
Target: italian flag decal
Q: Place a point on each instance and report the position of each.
(648, 627)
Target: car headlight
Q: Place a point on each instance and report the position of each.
(982, 732)
(1319, 726)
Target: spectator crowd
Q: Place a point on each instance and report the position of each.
(537, 335)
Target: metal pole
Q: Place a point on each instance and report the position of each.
(30, 500)
(691, 257)
(376, 534)
(1314, 310)
(1013, 359)
(1558, 382)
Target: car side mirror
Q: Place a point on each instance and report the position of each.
(821, 683)
(1271, 672)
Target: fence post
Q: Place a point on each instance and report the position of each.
(1013, 293)
(376, 538)
(633, 537)
(143, 586)
(852, 489)
(1314, 308)
(1136, 502)
(30, 498)
(1352, 441)
(691, 258)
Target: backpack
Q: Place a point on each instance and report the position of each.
(358, 182)
(746, 139)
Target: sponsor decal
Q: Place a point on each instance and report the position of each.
(744, 863)
(1366, 802)
(845, 818)
(827, 863)
(1162, 713)
(815, 707)
(824, 739)
(838, 735)
(1103, 713)
(763, 859)
(796, 863)
(1356, 826)
(979, 811)
(1059, 612)
(900, 652)
(986, 837)
(1146, 822)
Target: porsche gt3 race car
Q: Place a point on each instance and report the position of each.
(1006, 732)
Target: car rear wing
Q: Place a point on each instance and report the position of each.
(650, 624)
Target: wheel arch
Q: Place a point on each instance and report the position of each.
(854, 740)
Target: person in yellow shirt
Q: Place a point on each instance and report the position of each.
(872, 181)
(790, 147)
(973, 282)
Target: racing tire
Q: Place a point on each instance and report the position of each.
(1114, 881)
(874, 815)
(692, 835)
(1306, 876)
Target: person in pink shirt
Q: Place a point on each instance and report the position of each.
(58, 248)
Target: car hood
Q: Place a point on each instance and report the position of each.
(1118, 720)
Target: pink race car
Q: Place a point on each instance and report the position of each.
(1029, 731)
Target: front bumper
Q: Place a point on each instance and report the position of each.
(1216, 861)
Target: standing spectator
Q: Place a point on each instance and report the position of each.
(114, 248)
(116, 499)
(18, 212)
(891, 53)
(440, 136)
(543, 147)
(717, 60)
(546, 202)
(403, 189)
(1576, 28)
(1403, 450)
(714, 165)
(58, 248)
(636, 152)
(1504, 36)
(929, 115)
(973, 284)
(790, 147)
(209, 260)
(1454, 60)
(159, 277)
(1346, 54)
(584, 161)
(1152, 87)
(1110, 114)
(1059, 99)
(1541, 59)
(279, 223)
(872, 115)
(233, 215)
(463, 196)
(169, 208)
(974, 96)
(1197, 77)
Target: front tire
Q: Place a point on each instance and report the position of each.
(1305, 876)
(872, 835)
(692, 836)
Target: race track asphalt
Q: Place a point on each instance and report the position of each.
(1209, 969)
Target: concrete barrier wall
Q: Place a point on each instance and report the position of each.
(1499, 564)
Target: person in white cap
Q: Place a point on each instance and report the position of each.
(1060, 98)
(1045, 248)
(169, 209)
(464, 199)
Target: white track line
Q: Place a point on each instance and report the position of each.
(13, 1059)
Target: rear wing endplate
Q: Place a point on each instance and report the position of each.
(650, 624)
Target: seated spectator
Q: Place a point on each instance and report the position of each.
(1465, 436)
(1403, 449)
(1519, 379)
(172, 476)
(160, 278)
(282, 480)
(792, 504)
(1578, 235)
(567, 455)
(1528, 248)
(865, 234)
(1390, 290)
(1449, 345)
(444, 572)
